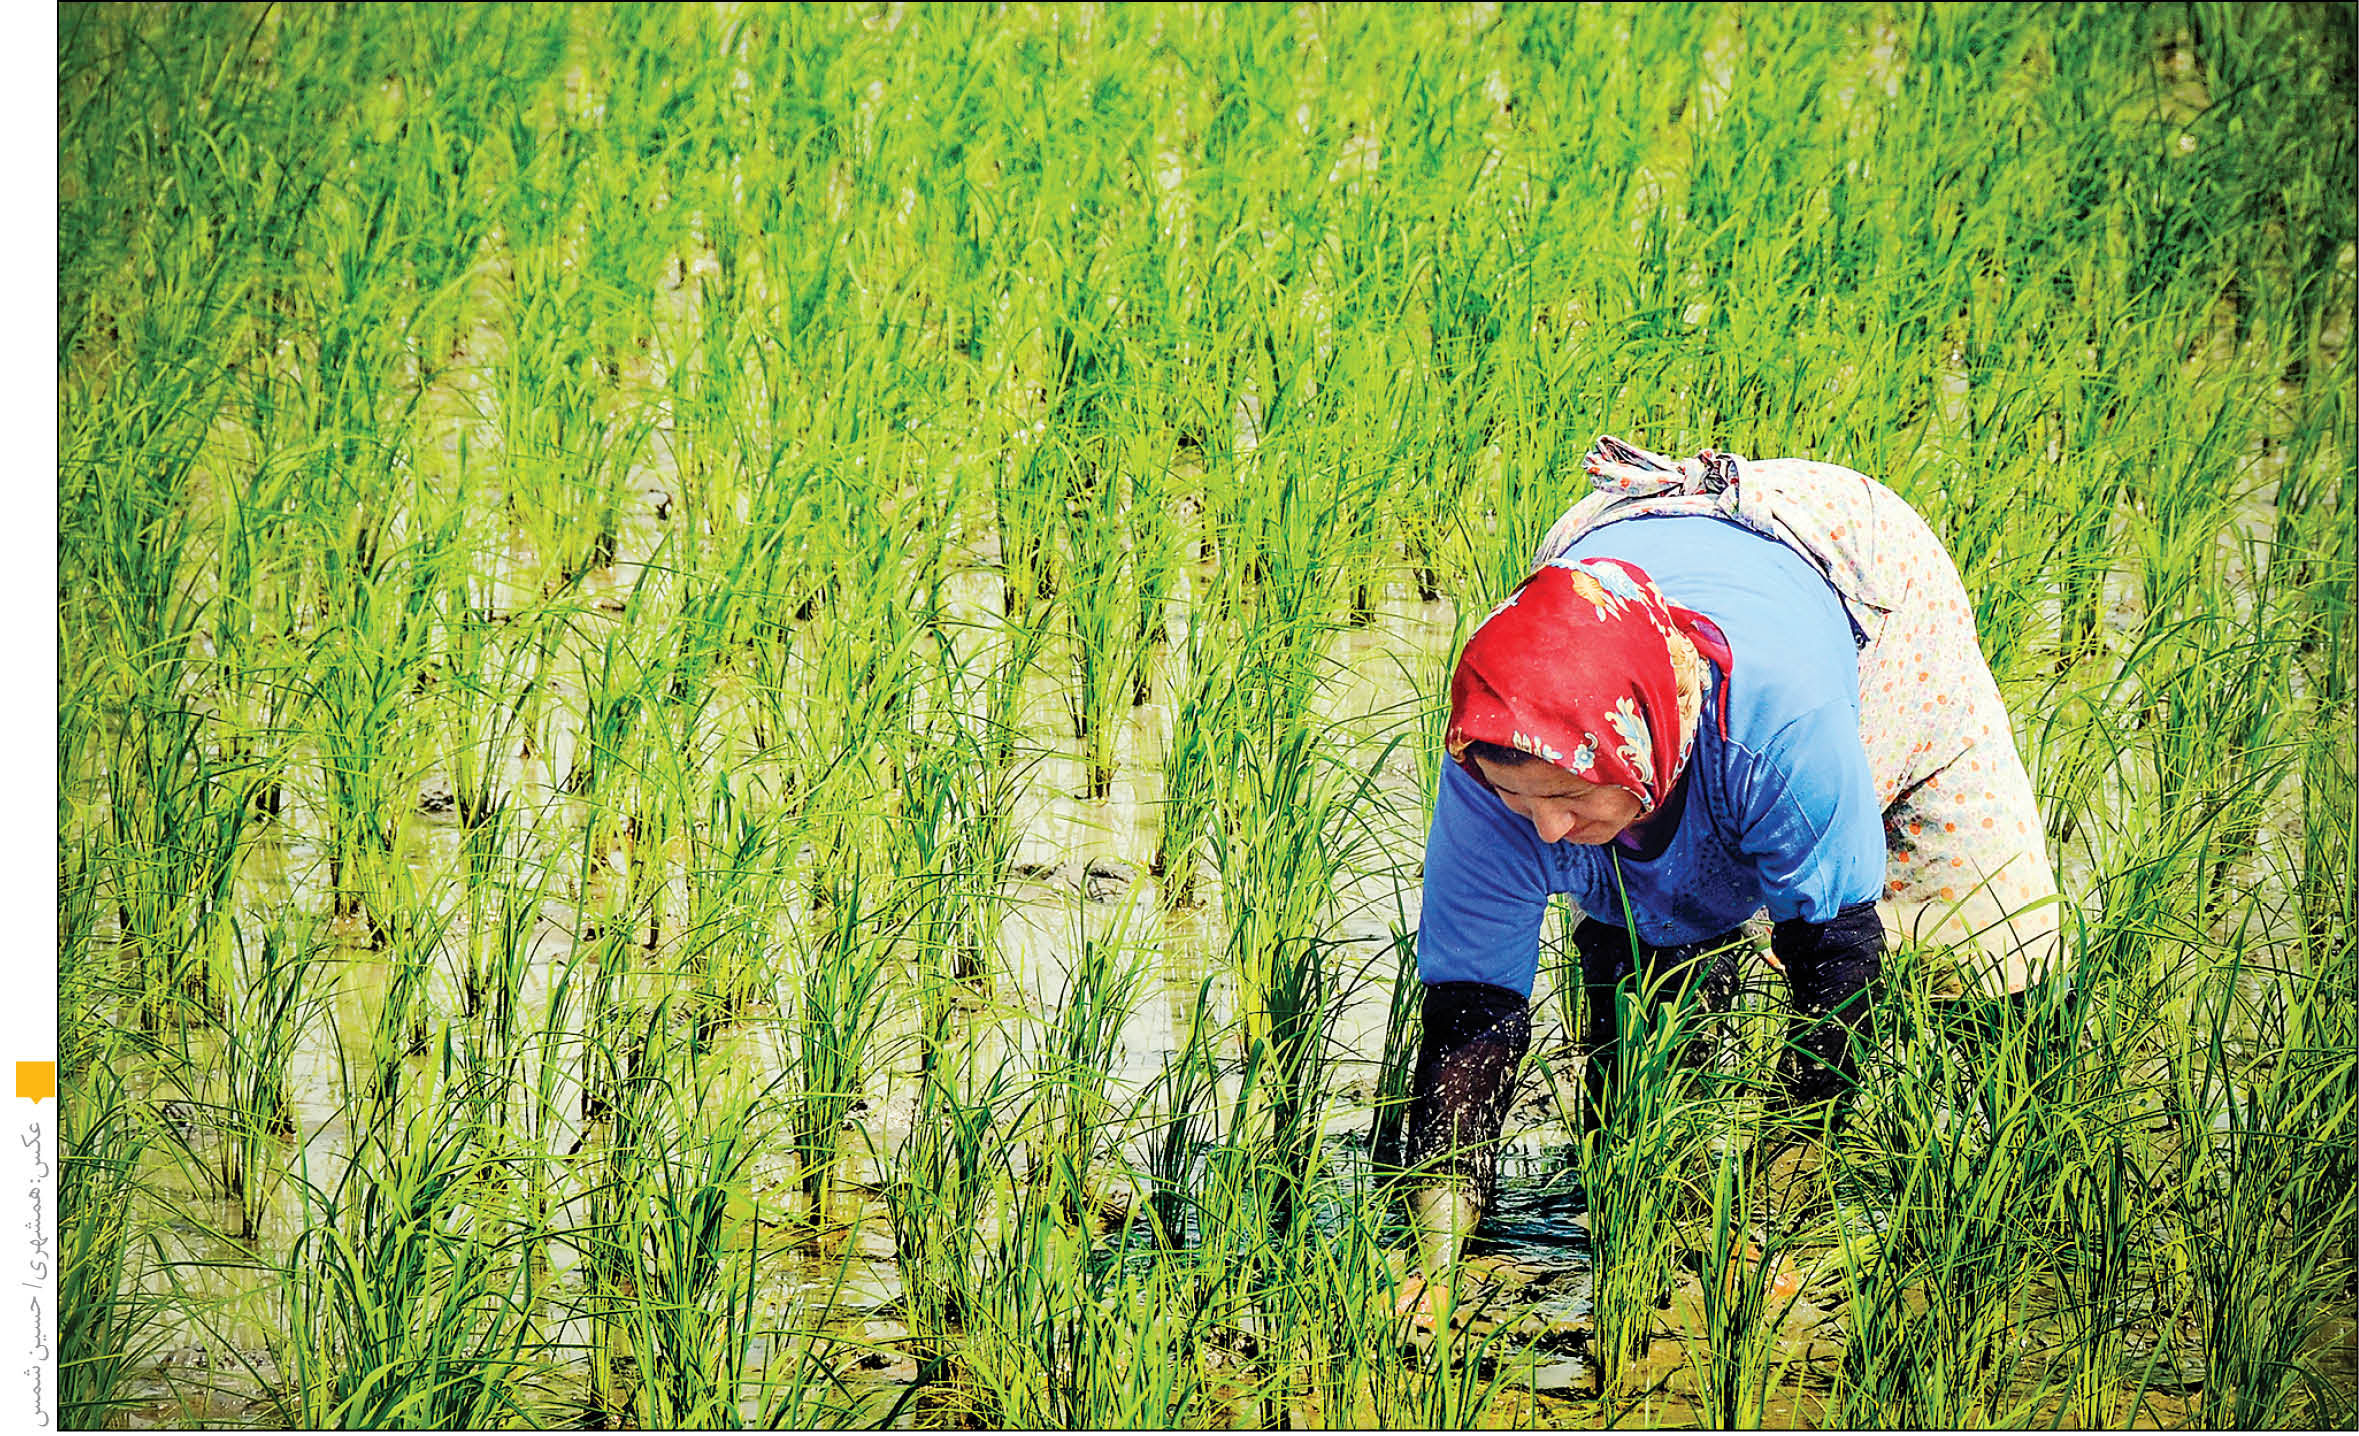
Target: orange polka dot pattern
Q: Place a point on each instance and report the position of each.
(1967, 856)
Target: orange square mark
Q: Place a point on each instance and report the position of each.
(37, 1080)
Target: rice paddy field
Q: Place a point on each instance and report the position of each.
(747, 701)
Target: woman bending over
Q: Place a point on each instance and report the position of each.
(1727, 686)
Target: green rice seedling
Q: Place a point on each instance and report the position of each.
(692, 1319)
(699, 644)
(1201, 713)
(86, 982)
(177, 830)
(1001, 703)
(1248, 1202)
(867, 653)
(494, 965)
(359, 686)
(1740, 1305)
(126, 561)
(568, 451)
(612, 1040)
(954, 842)
(1278, 574)
(393, 1310)
(1095, 602)
(273, 1010)
(1362, 425)
(676, 755)
(613, 702)
(837, 1003)
(1152, 534)
(1935, 1315)
(1371, 1359)
(547, 1125)
(109, 1320)
(2019, 1094)
(2329, 920)
(803, 1387)
(760, 674)
(499, 1084)
(1301, 1316)
(437, 162)
(1462, 303)
(1335, 1317)
(131, 547)
(1024, 499)
(1638, 1159)
(1282, 837)
(2098, 1292)
(723, 942)
(1467, 1384)
(499, 669)
(1634, 1170)
(1397, 1066)
(1133, 1355)
(413, 930)
(1187, 1085)
(629, 1103)
(1081, 1047)
(1060, 1335)
(501, 907)
(253, 652)
(952, 1163)
(1527, 494)
(2257, 1211)
(1323, 1342)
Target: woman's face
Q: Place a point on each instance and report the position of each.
(1561, 807)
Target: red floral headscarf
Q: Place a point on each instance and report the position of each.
(1575, 669)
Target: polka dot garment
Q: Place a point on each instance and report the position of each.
(1968, 865)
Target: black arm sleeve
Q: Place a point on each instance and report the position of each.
(1830, 961)
(1475, 1034)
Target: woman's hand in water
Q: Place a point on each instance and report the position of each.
(1780, 1282)
(1424, 1300)
(1417, 1302)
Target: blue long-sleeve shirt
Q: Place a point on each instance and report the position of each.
(1780, 814)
